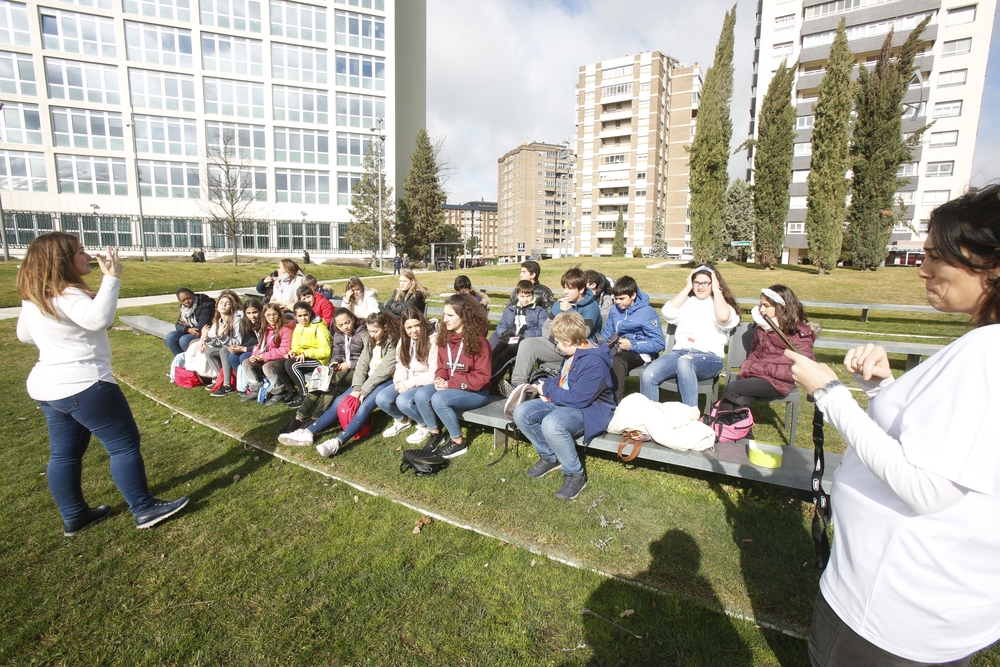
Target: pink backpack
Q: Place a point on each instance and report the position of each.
(729, 425)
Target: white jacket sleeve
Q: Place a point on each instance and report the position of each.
(92, 314)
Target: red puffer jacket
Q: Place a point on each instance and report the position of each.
(767, 358)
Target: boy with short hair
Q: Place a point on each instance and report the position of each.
(520, 321)
(577, 402)
(530, 270)
(635, 329)
(322, 290)
(321, 307)
(463, 285)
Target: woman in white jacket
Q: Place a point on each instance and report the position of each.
(416, 362)
(360, 300)
(289, 279)
(72, 381)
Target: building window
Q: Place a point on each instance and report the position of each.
(359, 110)
(297, 21)
(796, 228)
(911, 111)
(809, 41)
(234, 98)
(78, 33)
(955, 77)
(238, 182)
(904, 198)
(935, 197)
(359, 71)
(797, 201)
(85, 175)
(173, 233)
(616, 90)
(957, 47)
(300, 105)
(360, 30)
(20, 124)
(804, 122)
(82, 82)
(14, 24)
(620, 158)
(235, 14)
(364, 4)
(298, 63)
(803, 148)
(800, 175)
(784, 49)
(17, 74)
(303, 146)
(234, 55)
(176, 180)
(352, 149)
(300, 186)
(161, 90)
(784, 22)
(345, 188)
(961, 15)
(93, 230)
(22, 172)
(172, 10)
(166, 136)
(85, 128)
(940, 168)
(158, 45)
(244, 142)
(906, 169)
(941, 139)
(948, 109)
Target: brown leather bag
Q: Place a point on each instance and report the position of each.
(635, 438)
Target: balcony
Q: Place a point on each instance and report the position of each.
(616, 115)
(867, 15)
(613, 201)
(620, 131)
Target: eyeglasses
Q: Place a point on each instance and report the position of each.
(701, 283)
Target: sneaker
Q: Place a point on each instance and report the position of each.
(418, 435)
(222, 391)
(158, 511)
(433, 441)
(453, 449)
(328, 448)
(543, 468)
(275, 399)
(397, 427)
(248, 396)
(299, 438)
(505, 388)
(295, 402)
(93, 516)
(572, 486)
(294, 424)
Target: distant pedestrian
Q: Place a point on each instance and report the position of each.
(397, 264)
(305, 257)
(406, 261)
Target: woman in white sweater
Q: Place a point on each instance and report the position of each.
(72, 381)
(913, 577)
(705, 312)
(416, 362)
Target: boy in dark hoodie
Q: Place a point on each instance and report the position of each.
(633, 332)
(520, 321)
(577, 402)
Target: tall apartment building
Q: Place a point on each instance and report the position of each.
(105, 100)
(947, 90)
(634, 118)
(534, 201)
(475, 218)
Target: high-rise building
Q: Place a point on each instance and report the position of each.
(635, 117)
(534, 201)
(946, 90)
(475, 218)
(106, 100)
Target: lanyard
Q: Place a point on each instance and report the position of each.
(347, 348)
(413, 358)
(451, 363)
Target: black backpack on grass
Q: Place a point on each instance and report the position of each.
(423, 462)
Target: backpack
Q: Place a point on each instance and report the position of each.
(521, 393)
(345, 413)
(729, 425)
(423, 462)
(185, 378)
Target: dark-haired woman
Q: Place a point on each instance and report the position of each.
(705, 311)
(767, 373)
(273, 342)
(196, 313)
(289, 280)
(242, 349)
(913, 578)
(416, 361)
(72, 381)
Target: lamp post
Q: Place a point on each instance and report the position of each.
(380, 143)
(138, 185)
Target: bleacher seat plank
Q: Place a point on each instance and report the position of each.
(148, 325)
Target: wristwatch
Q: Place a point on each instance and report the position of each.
(826, 389)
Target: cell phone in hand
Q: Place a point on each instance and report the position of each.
(774, 327)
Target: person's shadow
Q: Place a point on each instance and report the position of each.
(671, 630)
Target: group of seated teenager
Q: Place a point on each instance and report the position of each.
(421, 374)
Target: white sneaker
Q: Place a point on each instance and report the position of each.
(418, 436)
(299, 438)
(398, 426)
(328, 448)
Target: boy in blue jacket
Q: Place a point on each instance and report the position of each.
(523, 320)
(633, 332)
(577, 402)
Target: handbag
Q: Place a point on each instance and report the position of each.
(422, 462)
(319, 379)
(178, 361)
(634, 438)
(521, 393)
(198, 362)
(729, 425)
(345, 413)
(185, 378)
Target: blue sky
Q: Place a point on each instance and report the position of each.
(503, 72)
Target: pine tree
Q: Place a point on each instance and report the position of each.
(773, 166)
(362, 231)
(709, 161)
(879, 148)
(738, 220)
(660, 247)
(618, 245)
(831, 137)
(421, 212)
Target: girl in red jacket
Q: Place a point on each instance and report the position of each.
(767, 373)
(462, 378)
(274, 341)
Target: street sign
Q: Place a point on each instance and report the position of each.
(740, 244)
(520, 247)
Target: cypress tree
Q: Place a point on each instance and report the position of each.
(709, 161)
(737, 220)
(826, 204)
(879, 149)
(773, 166)
(420, 214)
(618, 245)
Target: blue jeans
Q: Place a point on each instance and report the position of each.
(236, 360)
(432, 404)
(406, 404)
(100, 409)
(389, 400)
(365, 411)
(688, 366)
(553, 430)
(178, 342)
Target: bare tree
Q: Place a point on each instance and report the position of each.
(233, 185)
(363, 230)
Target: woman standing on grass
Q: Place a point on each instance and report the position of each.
(72, 381)
(913, 578)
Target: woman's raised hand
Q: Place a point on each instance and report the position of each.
(110, 266)
(809, 374)
(689, 283)
(868, 361)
